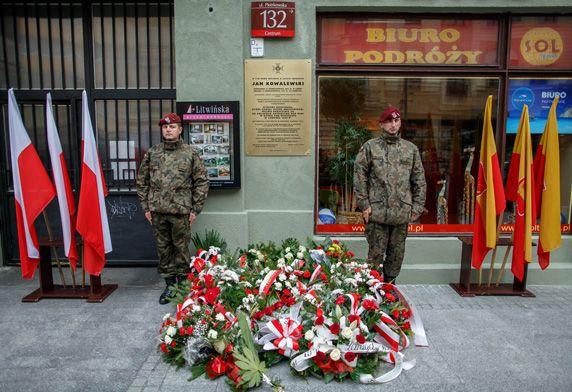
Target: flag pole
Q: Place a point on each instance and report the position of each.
(495, 251)
(506, 253)
(53, 247)
(82, 266)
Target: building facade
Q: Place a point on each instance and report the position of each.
(436, 61)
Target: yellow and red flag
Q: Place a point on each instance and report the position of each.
(490, 193)
(519, 189)
(547, 189)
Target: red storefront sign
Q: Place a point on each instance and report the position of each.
(271, 19)
(412, 42)
(541, 42)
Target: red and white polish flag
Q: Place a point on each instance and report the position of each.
(92, 221)
(63, 186)
(33, 189)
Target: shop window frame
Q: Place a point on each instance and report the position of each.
(502, 71)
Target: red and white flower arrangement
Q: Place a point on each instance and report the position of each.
(317, 307)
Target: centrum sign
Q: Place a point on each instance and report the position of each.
(419, 41)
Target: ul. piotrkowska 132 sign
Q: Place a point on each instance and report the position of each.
(409, 42)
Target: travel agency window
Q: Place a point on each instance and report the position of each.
(438, 70)
(539, 70)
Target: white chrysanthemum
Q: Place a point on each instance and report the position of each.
(168, 339)
(259, 256)
(282, 277)
(288, 284)
(281, 262)
(278, 286)
(245, 301)
(166, 316)
(171, 331)
(302, 248)
(335, 354)
(300, 255)
(287, 249)
(251, 297)
(289, 256)
(196, 308)
(212, 334)
(288, 269)
(219, 317)
(347, 333)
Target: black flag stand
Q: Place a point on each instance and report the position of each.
(95, 292)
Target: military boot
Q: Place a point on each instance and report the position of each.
(168, 292)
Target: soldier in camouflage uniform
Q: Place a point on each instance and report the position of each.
(172, 186)
(389, 183)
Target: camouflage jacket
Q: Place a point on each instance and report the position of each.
(389, 178)
(172, 179)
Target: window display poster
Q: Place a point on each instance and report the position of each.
(212, 129)
(538, 94)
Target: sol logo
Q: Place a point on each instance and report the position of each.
(541, 46)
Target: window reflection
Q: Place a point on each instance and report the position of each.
(442, 116)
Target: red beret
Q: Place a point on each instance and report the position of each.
(171, 118)
(390, 113)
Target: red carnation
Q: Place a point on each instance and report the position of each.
(323, 276)
(407, 325)
(164, 348)
(182, 331)
(369, 304)
(173, 344)
(349, 356)
(320, 356)
(405, 313)
(307, 274)
(189, 330)
(360, 338)
(390, 297)
(335, 328)
(353, 317)
(395, 314)
(216, 367)
(319, 320)
(340, 300)
(286, 292)
(209, 280)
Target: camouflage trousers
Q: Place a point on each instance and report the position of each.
(173, 234)
(387, 246)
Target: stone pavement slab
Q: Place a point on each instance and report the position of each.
(476, 344)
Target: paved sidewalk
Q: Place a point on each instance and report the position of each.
(476, 344)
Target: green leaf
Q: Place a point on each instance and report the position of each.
(328, 377)
(197, 371)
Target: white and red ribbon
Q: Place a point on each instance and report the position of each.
(268, 280)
